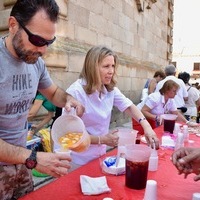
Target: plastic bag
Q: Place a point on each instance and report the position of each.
(45, 139)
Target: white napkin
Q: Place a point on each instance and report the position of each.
(93, 186)
(167, 141)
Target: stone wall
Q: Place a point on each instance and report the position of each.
(140, 31)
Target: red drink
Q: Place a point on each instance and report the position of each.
(136, 174)
(138, 138)
(137, 141)
(169, 125)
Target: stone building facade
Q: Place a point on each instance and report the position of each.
(140, 31)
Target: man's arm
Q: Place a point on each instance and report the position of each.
(13, 154)
(60, 98)
(53, 164)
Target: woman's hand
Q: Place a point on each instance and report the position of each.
(151, 138)
(111, 139)
(192, 124)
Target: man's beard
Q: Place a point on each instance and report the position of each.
(27, 56)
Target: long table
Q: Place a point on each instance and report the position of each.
(171, 186)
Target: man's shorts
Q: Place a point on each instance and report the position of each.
(15, 181)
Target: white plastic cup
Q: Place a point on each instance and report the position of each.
(151, 190)
(196, 196)
(177, 129)
(68, 152)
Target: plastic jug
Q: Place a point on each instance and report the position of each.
(137, 161)
(126, 136)
(68, 132)
(169, 122)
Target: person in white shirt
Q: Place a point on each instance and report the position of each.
(96, 90)
(182, 94)
(193, 97)
(162, 102)
(150, 85)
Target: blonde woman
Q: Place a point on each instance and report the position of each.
(96, 90)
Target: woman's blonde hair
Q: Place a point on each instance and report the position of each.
(168, 85)
(90, 71)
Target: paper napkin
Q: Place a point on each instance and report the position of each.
(94, 186)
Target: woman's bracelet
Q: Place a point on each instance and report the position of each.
(141, 119)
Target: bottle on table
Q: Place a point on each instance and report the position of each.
(185, 133)
(153, 160)
(179, 141)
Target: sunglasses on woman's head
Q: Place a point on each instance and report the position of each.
(36, 39)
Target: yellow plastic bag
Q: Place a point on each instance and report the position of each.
(45, 139)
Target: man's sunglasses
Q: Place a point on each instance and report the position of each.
(36, 39)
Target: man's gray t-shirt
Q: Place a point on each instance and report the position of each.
(19, 82)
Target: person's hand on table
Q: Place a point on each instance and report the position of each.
(192, 124)
(111, 139)
(187, 161)
(54, 164)
(151, 138)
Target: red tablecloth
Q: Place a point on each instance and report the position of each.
(171, 186)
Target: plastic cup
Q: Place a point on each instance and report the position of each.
(196, 196)
(70, 125)
(151, 190)
(137, 161)
(68, 152)
(169, 122)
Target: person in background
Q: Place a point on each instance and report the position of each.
(193, 101)
(162, 102)
(96, 90)
(38, 102)
(32, 25)
(150, 85)
(187, 161)
(158, 76)
(182, 94)
(159, 103)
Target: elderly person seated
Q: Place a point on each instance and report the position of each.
(159, 103)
